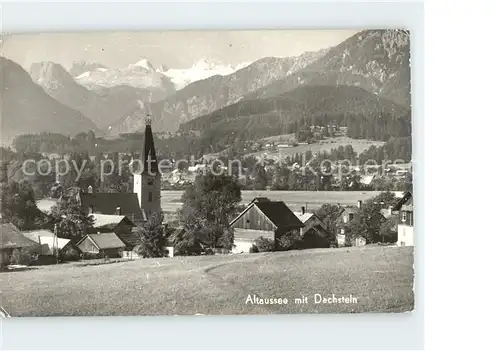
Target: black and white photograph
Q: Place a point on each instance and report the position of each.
(202, 172)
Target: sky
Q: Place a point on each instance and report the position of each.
(175, 49)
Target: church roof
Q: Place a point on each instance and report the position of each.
(107, 203)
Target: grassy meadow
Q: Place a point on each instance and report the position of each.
(171, 199)
(380, 278)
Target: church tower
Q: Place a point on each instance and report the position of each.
(147, 179)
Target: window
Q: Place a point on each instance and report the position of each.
(150, 197)
(351, 216)
(151, 182)
(403, 216)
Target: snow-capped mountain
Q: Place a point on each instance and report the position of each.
(102, 106)
(202, 69)
(80, 67)
(141, 75)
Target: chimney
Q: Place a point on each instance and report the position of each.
(303, 210)
(360, 203)
(89, 189)
(390, 210)
(118, 211)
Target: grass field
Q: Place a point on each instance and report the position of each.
(380, 278)
(358, 145)
(170, 199)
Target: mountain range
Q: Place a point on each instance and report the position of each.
(26, 108)
(375, 60)
(205, 96)
(373, 65)
(101, 104)
(255, 119)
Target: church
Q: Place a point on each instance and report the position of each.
(145, 200)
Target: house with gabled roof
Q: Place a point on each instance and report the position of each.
(50, 243)
(121, 225)
(405, 220)
(101, 245)
(12, 239)
(314, 233)
(263, 217)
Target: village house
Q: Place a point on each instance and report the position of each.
(120, 225)
(52, 248)
(405, 220)
(263, 217)
(12, 239)
(348, 214)
(101, 245)
(314, 233)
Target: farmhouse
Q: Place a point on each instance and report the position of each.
(314, 231)
(49, 243)
(101, 245)
(263, 217)
(405, 222)
(11, 239)
(121, 225)
(348, 214)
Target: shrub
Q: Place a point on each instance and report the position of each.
(21, 257)
(262, 245)
(290, 241)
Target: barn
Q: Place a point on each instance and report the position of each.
(121, 225)
(101, 245)
(263, 217)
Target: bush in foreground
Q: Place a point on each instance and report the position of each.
(262, 245)
(21, 257)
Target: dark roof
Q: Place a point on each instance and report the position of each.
(279, 214)
(106, 241)
(149, 150)
(261, 199)
(130, 239)
(12, 238)
(407, 199)
(106, 203)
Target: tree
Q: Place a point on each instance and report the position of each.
(71, 219)
(355, 229)
(260, 177)
(388, 233)
(152, 237)
(208, 206)
(18, 205)
(329, 213)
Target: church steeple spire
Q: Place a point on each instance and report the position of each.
(148, 158)
(147, 185)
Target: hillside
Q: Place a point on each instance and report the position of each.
(205, 96)
(26, 108)
(380, 278)
(103, 105)
(375, 60)
(255, 119)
